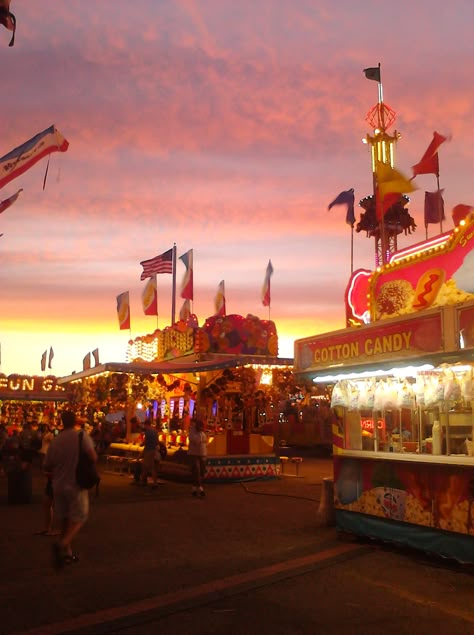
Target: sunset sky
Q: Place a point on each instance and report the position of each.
(226, 127)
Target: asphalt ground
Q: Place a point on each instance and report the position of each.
(253, 557)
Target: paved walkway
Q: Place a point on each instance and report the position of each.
(252, 557)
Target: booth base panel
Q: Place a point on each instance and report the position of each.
(227, 469)
(447, 544)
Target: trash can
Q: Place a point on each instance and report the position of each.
(20, 487)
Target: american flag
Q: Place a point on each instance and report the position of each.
(159, 264)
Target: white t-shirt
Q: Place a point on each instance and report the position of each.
(62, 456)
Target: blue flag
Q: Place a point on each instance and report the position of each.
(346, 198)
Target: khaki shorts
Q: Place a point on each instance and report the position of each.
(71, 504)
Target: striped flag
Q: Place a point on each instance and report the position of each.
(150, 297)
(185, 311)
(22, 158)
(266, 299)
(219, 300)
(123, 310)
(43, 360)
(187, 284)
(50, 359)
(95, 355)
(159, 264)
(9, 201)
(7, 19)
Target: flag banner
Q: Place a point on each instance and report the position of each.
(187, 291)
(373, 73)
(434, 207)
(219, 300)
(8, 20)
(390, 180)
(86, 362)
(459, 212)
(50, 358)
(21, 159)
(185, 311)
(150, 297)
(346, 198)
(429, 163)
(123, 310)
(95, 354)
(266, 296)
(43, 360)
(9, 201)
(159, 264)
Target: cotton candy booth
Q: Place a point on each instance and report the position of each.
(403, 395)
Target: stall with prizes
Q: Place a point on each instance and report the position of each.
(403, 394)
(226, 372)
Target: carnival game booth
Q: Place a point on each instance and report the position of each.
(403, 393)
(228, 385)
(31, 398)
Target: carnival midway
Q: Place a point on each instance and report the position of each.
(391, 394)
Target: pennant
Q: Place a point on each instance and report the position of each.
(185, 311)
(460, 212)
(390, 180)
(9, 201)
(7, 19)
(346, 198)
(159, 264)
(187, 284)
(43, 360)
(429, 163)
(86, 362)
(150, 297)
(21, 159)
(266, 296)
(373, 72)
(219, 300)
(434, 207)
(50, 359)
(95, 355)
(123, 310)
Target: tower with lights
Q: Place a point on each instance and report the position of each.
(383, 227)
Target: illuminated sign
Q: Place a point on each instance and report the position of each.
(375, 342)
(26, 386)
(368, 424)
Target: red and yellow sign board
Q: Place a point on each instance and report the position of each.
(434, 273)
(395, 340)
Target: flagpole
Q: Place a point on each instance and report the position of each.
(352, 249)
(438, 205)
(156, 289)
(173, 295)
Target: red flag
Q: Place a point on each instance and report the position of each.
(150, 297)
(95, 354)
(429, 161)
(266, 296)
(434, 207)
(43, 360)
(187, 284)
(123, 310)
(9, 201)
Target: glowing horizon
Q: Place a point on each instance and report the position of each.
(224, 128)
